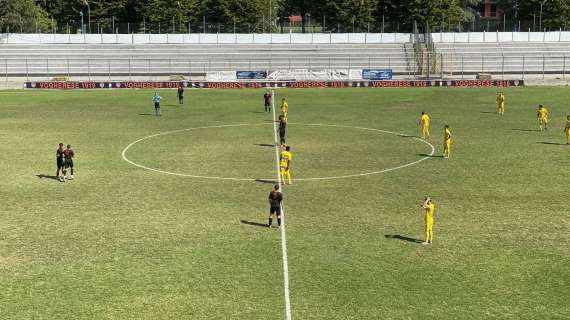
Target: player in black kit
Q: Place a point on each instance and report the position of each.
(267, 101)
(275, 203)
(59, 161)
(282, 127)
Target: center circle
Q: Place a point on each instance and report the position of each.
(241, 150)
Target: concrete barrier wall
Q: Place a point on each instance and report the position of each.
(279, 38)
(208, 38)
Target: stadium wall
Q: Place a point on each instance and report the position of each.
(280, 38)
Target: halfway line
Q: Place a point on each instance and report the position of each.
(283, 238)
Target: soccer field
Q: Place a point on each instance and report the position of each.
(180, 234)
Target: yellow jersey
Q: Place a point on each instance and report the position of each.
(567, 126)
(501, 99)
(447, 136)
(286, 158)
(284, 107)
(542, 113)
(430, 208)
(425, 120)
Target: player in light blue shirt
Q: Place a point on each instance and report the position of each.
(156, 100)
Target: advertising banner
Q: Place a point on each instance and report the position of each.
(251, 75)
(272, 84)
(377, 74)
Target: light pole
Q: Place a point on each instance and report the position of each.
(88, 14)
(540, 16)
(81, 15)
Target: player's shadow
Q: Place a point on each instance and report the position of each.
(425, 155)
(402, 238)
(490, 112)
(407, 136)
(45, 176)
(265, 145)
(553, 143)
(257, 112)
(255, 224)
(266, 181)
(146, 114)
(526, 130)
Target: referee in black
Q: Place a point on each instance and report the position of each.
(275, 204)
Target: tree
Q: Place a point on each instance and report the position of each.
(349, 15)
(243, 12)
(23, 16)
(555, 13)
(165, 12)
(437, 14)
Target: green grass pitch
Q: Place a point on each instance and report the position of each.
(122, 242)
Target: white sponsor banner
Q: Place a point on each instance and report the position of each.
(306, 74)
(221, 76)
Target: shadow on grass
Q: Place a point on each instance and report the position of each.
(266, 181)
(269, 121)
(45, 176)
(526, 130)
(425, 155)
(403, 238)
(257, 112)
(146, 114)
(407, 136)
(255, 224)
(264, 145)
(553, 143)
(489, 112)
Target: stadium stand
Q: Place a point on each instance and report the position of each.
(168, 59)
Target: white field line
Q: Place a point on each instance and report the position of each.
(124, 152)
(283, 234)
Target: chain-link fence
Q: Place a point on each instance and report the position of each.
(314, 23)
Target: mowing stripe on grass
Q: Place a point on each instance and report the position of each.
(283, 238)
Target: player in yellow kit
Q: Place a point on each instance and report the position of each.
(501, 103)
(446, 142)
(284, 108)
(429, 208)
(285, 164)
(567, 130)
(424, 122)
(542, 117)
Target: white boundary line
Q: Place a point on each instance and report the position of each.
(124, 152)
(283, 238)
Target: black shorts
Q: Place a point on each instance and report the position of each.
(267, 104)
(68, 163)
(276, 210)
(59, 163)
(157, 105)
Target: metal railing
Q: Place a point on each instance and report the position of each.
(448, 66)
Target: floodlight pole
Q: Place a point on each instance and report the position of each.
(81, 15)
(88, 14)
(540, 16)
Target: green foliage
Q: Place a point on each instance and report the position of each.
(22, 16)
(253, 15)
(555, 13)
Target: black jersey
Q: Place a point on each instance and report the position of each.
(275, 198)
